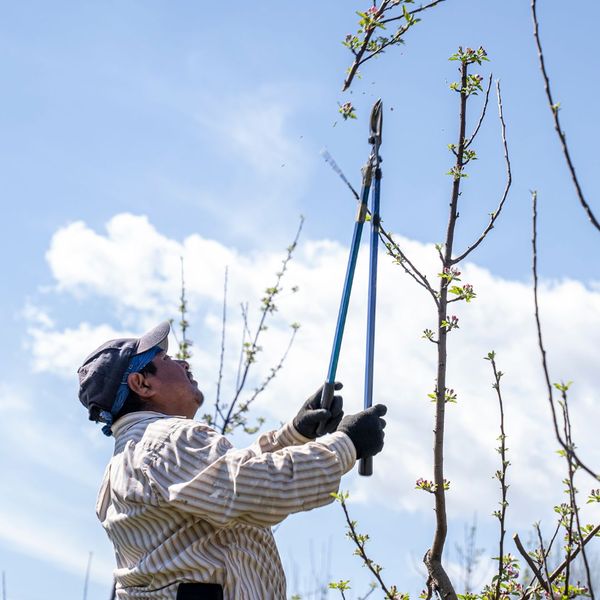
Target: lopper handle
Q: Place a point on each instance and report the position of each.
(326, 400)
(365, 466)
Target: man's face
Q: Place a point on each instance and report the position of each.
(176, 392)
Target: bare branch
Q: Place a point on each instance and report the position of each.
(87, 576)
(261, 388)
(403, 261)
(544, 555)
(530, 562)
(222, 355)
(563, 565)
(574, 513)
(555, 108)
(252, 347)
(359, 540)
(245, 332)
(552, 540)
(494, 216)
(501, 474)
(561, 441)
(184, 345)
(482, 115)
(385, 237)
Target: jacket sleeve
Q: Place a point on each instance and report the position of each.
(197, 470)
(286, 436)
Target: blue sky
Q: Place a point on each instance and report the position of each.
(136, 132)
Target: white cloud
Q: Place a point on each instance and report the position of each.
(135, 268)
(61, 352)
(37, 316)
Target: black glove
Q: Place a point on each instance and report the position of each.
(365, 429)
(311, 415)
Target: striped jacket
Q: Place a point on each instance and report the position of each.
(180, 504)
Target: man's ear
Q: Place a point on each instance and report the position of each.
(140, 385)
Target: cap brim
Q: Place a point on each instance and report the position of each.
(159, 336)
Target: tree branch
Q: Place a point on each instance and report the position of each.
(534, 568)
(565, 562)
(501, 474)
(574, 513)
(359, 540)
(268, 307)
(433, 559)
(555, 108)
(361, 51)
(542, 348)
(261, 388)
(222, 355)
(403, 260)
(494, 216)
(544, 555)
(482, 115)
(414, 12)
(359, 55)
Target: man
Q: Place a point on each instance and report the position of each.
(189, 515)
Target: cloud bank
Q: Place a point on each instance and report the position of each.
(136, 270)
(133, 272)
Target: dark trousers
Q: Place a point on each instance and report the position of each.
(199, 591)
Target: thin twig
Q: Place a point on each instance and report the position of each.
(570, 484)
(414, 12)
(222, 355)
(385, 237)
(555, 108)
(501, 475)
(579, 548)
(542, 348)
(482, 115)
(361, 51)
(87, 576)
(470, 556)
(261, 388)
(574, 514)
(267, 308)
(544, 555)
(532, 591)
(391, 42)
(548, 550)
(367, 594)
(403, 260)
(359, 55)
(530, 562)
(245, 332)
(184, 345)
(360, 550)
(493, 216)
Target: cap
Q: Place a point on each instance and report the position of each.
(102, 371)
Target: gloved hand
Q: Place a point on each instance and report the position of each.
(365, 429)
(311, 415)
